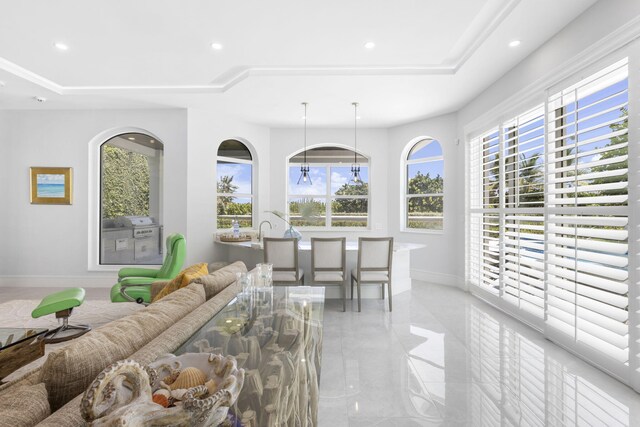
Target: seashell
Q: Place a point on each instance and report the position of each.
(170, 379)
(178, 394)
(211, 385)
(189, 377)
(161, 400)
(164, 392)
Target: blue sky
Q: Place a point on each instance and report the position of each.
(241, 175)
(432, 149)
(339, 176)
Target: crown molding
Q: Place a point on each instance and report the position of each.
(492, 14)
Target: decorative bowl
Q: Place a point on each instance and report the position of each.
(129, 392)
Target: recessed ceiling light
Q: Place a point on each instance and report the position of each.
(358, 117)
(40, 99)
(216, 46)
(131, 138)
(514, 43)
(369, 45)
(61, 46)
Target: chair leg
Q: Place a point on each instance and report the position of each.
(352, 288)
(382, 291)
(389, 284)
(358, 286)
(344, 297)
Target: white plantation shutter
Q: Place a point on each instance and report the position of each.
(587, 227)
(524, 159)
(484, 253)
(549, 217)
(523, 274)
(587, 281)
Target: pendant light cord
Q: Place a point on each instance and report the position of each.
(355, 132)
(305, 132)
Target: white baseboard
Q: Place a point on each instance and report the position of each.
(94, 281)
(438, 278)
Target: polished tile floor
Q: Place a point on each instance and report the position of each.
(443, 357)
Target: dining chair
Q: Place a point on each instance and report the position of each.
(374, 264)
(329, 264)
(283, 254)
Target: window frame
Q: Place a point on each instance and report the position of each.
(253, 163)
(405, 196)
(327, 197)
(476, 211)
(94, 195)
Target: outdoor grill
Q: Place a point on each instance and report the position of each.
(131, 240)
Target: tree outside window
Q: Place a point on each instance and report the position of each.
(234, 185)
(424, 186)
(331, 200)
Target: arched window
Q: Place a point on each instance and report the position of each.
(331, 200)
(130, 194)
(234, 184)
(424, 186)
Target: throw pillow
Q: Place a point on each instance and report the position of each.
(13, 409)
(183, 279)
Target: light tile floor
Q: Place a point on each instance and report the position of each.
(443, 357)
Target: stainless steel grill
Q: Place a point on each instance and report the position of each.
(131, 240)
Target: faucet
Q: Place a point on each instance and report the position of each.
(260, 229)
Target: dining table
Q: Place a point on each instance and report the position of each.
(251, 253)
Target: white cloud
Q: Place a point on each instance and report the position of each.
(236, 171)
(47, 178)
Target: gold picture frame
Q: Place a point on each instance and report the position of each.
(51, 186)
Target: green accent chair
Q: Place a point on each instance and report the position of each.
(61, 304)
(134, 283)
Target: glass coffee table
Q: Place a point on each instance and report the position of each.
(19, 346)
(276, 336)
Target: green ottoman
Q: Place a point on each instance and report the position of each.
(62, 303)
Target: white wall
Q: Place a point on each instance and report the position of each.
(371, 142)
(437, 262)
(4, 184)
(47, 244)
(206, 131)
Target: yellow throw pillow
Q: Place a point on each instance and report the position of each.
(183, 279)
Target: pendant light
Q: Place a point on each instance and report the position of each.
(304, 167)
(355, 167)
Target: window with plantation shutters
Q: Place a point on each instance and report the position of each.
(549, 216)
(484, 254)
(588, 220)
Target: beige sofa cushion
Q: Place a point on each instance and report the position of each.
(218, 280)
(167, 342)
(69, 370)
(24, 405)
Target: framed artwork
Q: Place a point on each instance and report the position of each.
(51, 186)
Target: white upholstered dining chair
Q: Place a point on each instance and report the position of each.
(283, 254)
(374, 264)
(329, 264)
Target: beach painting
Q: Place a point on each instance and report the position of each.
(50, 185)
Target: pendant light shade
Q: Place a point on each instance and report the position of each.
(305, 178)
(355, 166)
